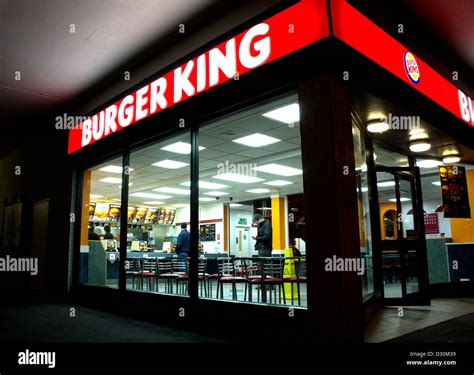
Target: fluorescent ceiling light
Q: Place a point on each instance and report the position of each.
(180, 205)
(153, 202)
(256, 140)
(258, 191)
(170, 164)
(235, 205)
(428, 163)
(363, 190)
(180, 148)
(112, 180)
(450, 159)
(113, 169)
(420, 146)
(171, 190)
(235, 177)
(279, 170)
(206, 185)
(378, 126)
(402, 199)
(216, 193)
(288, 114)
(94, 196)
(386, 183)
(150, 195)
(206, 199)
(130, 184)
(278, 183)
(437, 183)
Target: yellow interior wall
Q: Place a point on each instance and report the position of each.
(226, 228)
(278, 224)
(462, 230)
(384, 207)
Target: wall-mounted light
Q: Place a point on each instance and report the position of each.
(377, 125)
(420, 146)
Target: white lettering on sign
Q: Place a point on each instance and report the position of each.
(262, 46)
(465, 106)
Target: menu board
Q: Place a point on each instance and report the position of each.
(151, 216)
(454, 190)
(101, 211)
(131, 213)
(140, 215)
(91, 210)
(207, 232)
(166, 216)
(114, 212)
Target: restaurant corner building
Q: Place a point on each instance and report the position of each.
(352, 147)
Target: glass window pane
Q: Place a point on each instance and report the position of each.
(100, 225)
(158, 217)
(250, 177)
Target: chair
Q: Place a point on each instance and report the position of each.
(271, 275)
(227, 275)
(133, 269)
(147, 271)
(165, 272)
(203, 276)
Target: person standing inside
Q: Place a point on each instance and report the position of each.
(108, 235)
(182, 247)
(264, 236)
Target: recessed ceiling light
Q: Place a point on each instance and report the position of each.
(112, 180)
(378, 125)
(206, 199)
(420, 146)
(418, 134)
(235, 177)
(206, 185)
(428, 163)
(288, 114)
(170, 164)
(171, 190)
(150, 195)
(130, 184)
(402, 199)
(113, 169)
(180, 148)
(278, 183)
(451, 159)
(437, 183)
(216, 193)
(180, 205)
(386, 183)
(258, 191)
(95, 196)
(256, 140)
(153, 202)
(363, 190)
(279, 170)
(235, 205)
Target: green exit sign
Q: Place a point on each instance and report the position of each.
(242, 221)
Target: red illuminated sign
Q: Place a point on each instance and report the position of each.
(363, 35)
(280, 35)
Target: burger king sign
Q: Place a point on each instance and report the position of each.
(411, 67)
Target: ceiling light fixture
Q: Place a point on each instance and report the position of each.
(386, 183)
(258, 191)
(206, 199)
(451, 159)
(150, 195)
(278, 183)
(95, 196)
(437, 183)
(113, 169)
(256, 140)
(180, 148)
(112, 180)
(170, 164)
(206, 185)
(235, 177)
(378, 125)
(288, 114)
(420, 146)
(216, 193)
(279, 170)
(171, 190)
(402, 199)
(428, 163)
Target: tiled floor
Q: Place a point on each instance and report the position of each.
(390, 323)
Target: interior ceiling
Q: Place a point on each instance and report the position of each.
(217, 138)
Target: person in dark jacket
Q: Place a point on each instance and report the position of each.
(182, 246)
(264, 236)
(92, 235)
(108, 235)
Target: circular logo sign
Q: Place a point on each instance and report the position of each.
(411, 67)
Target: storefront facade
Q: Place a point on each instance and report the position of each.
(288, 116)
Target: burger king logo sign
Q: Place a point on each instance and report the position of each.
(411, 67)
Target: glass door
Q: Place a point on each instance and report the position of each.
(401, 244)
